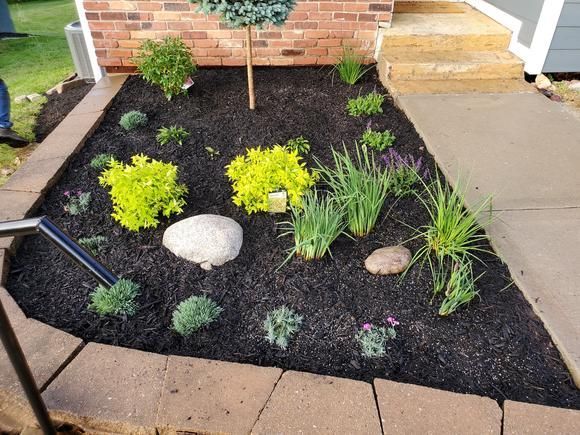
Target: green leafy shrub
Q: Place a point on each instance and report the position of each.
(350, 67)
(142, 190)
(132, 120)
(373, 339)
(360, 185)
(78, 202)
(378, 140)
(315, 225)
(166, 64)
(299, 144)
(94, 244)
(101, 161)
(460, 288)
(262, 171)
(280, 325)
(194, 313)
(370, 104)
(174, 133)
(117, 300)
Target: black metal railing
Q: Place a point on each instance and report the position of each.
(45, 227)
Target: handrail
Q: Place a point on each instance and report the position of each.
(44, 226)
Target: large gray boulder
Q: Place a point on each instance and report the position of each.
(206, 239)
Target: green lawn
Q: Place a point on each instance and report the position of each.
(34, 65)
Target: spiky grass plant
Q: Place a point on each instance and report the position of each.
(460, 288)
(174, 133)
(350, 66)
(370, 104)
(453, 233)
(315, 225)
(280, 325)
(118, 299)
(194, 313)
(94, 244)
(132, 120)
(360, 186)
(101, 161)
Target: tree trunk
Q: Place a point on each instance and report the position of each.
(250, 68)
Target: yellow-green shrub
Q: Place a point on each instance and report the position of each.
(262, 171)
(140, 191)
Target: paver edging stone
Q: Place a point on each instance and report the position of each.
(527, 418)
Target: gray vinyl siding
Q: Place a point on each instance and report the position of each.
(527, 11)
(564, 52)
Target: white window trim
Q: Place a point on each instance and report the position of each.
(97, 70)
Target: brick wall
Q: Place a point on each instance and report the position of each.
(314, 34)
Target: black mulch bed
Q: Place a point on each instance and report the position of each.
(56, 108)
(495, 347)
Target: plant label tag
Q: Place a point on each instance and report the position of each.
(187, 84)
(277, 202)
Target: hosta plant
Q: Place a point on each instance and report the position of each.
(262, 171)
(118, 299)
(142, 190)
(166, 64)
(370, 104)
(280, 325)
(166, 135)
(299, 144)
(132, 120)
(193, 314)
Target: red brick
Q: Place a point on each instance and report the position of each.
(100, 25)
(329, 42)
(142, 34)
(193, 16)
(231, 43)
(342, 34)
(233, 62)
(356, 7)
(176, 6)
(281, 62)
(92, 16)
(292, 51)
(338, 6)
(149, 6)
(96, 6)
(113, 16)
(130, 44)
(219, 52)
(305, 60)
(280, 43)
(270, 35)
(381, 7)
(306, 25)
(110, 62)
(156, 25)
(105, 43)
(128, 25)
(298, 16)
(202, 25)
(210, 61)
(345, 16)
(219, 34)
(259, 43)
(179, 25)
(194, 35)
(120, 52)
(303, 43)
(205, 43)
(326, 60)
(199, 52)
(317, 51)
(97, 35)
(117, 35)
(320, 15)
(316, 34)
(367, 17)
(127, 62)
(306, 6)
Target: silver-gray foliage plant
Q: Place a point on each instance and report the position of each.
(280, 325)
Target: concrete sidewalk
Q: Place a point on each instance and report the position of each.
(525, 151)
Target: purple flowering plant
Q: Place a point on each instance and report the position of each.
(406, 172)
(373, 339)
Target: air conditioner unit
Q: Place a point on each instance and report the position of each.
(78, 50)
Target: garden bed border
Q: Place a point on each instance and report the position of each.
(108, 388)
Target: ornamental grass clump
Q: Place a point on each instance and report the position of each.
(370, 104)
(166, 135)
(143, 190)
(119, 299)
(280, 325)
(262, 171)
(166, 63)
(101, 161)
(350, 66)
(315, 225)
(360, 186)
(194, 313)
(378, 140)
(373, 339)
(132, 120)
(460, 288)
(406, 173)
(77, 203)
(94, 244)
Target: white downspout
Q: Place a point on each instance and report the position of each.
(97, 70)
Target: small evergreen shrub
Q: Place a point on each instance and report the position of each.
(378, 140)
(194, 313)
(406, 173)
(132, 120)
(119, 299)
(350, 66)
(262, 171)
(94, 244)
(315, 225)
(142, 190)
(166, 64)
(78, 202)
(101, 161)
(299, 144)
(368, 105)
(280, 325)
(175, 134)
(373, 339)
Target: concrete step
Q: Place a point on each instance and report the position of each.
(425, 87)
(430, 7)
(470, 30)
(411, 64)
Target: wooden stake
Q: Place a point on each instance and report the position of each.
(250, 68)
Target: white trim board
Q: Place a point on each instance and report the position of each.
(97, 71)
(535, 55)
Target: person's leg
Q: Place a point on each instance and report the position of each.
(4, 106)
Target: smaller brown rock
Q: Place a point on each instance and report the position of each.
(388, 261)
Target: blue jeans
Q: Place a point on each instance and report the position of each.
(4, 106)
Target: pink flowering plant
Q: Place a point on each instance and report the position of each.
(373, 339)
(77, 202)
